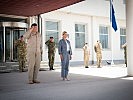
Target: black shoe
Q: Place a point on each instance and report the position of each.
(53, 69)
(36, 81)
(23, 70)
(63, 79)
(86, 67)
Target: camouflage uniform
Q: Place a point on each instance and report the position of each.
(98, 50)
(51, 53)
(125, 52)
(21, 49)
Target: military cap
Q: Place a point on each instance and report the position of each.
(51, 37)
(21, 36)
(34, 24)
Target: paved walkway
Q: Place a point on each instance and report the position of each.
(107, 83)
(110, 71)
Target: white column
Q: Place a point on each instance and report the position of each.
(129, 32)
(44, 58)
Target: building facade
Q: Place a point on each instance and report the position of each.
(87, 21)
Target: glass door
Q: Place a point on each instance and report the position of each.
(8, 44)
(16, 35)
(11, 35)
(1, 44)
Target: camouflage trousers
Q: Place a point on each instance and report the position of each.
(51, 57)
(22, 64)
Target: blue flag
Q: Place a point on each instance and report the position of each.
(112, 17)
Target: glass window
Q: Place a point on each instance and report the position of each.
(124, 1)
(104, 36)
(51, 25)
(79, 35)
(122, 36)
(52, 30)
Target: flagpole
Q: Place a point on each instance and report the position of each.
(113, 25)
(112, 51)
(112, 36)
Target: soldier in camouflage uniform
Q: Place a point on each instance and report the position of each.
(124, 46)
(98, 50)
(51, 52)
(21, 49)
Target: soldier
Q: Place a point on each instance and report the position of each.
(98, 50)
(21, 49)
(124, 46)
(86, 55)
(34, 50)
(51, 52)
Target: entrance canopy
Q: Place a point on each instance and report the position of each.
(32, 7)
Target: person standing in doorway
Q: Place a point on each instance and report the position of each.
(98, 50)
(65, 53)
(51, 52)
(34, 50)
(86, 55)
(21, 51)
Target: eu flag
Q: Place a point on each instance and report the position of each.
(112, 16)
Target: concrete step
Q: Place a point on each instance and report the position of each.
(3, 67)
(5, 71)
(14, 66)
